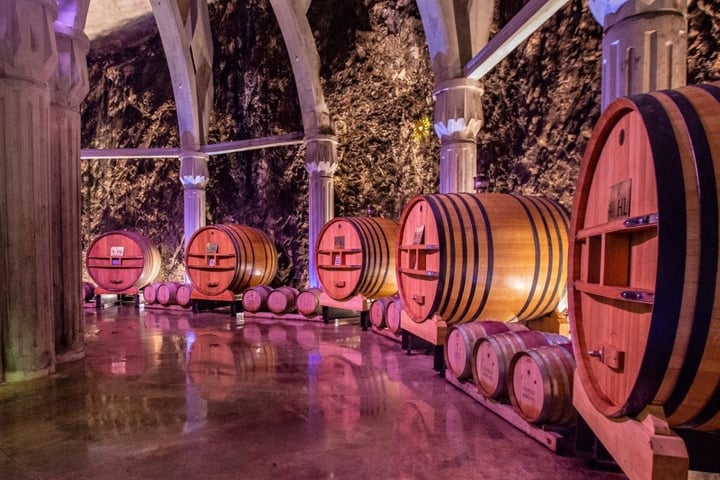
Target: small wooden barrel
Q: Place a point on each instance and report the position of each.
(461, 340)
(282, 300)
(392, 316)
(541, 382)
(492, 356)
(467, 256)
(644, 296)
(167, 293)
(229, 257)
(378, 312)
(182, 295)
(356, 256)
(150, 292)
(255, 298)
(120, 260)
(88, 291)
(308, 302)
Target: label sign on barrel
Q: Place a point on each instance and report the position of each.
(619, 205)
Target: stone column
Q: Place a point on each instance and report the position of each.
(194, 177)
(28, 58)
(458, 119)
(69, 86)
(644, 45)
(321, 163)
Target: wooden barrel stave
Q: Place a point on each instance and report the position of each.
(255, 298)
(461, 340)
(88, 291)
(378, 312)
(308, 302)
(282, 300)
(392, 316)
(183, 295)
(540, 386)
(356, 256)
(167, 293)
(481, 256)
(668, 342)
(492, 355)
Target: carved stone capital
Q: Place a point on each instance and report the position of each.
(70, 82)
(607, 12)
(321, 154)
(458, 108)
(194, 170)
(27, 39)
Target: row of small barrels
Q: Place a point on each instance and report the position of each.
(534, 369)
(282, 300)
(168, 293)
(384, 314)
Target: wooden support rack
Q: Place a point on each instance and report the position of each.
(284, 316)
(433, 331)
(554, 440)
(207, 302)
(643, 447)
(357, 303)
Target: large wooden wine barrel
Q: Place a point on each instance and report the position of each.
(461, 339)
(466, 257)
(229, 257)
(121, 260)
(643, 294)
(356, 256)
(492, 356)
(541, 383)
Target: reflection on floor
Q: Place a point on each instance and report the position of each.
(209, 396)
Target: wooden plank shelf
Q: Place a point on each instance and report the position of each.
(419, 273)
(284, 316)
(628, 294)
(209, 268)
(420, 247)
(555, 440)
(623, 225)
(339, 251)
(339, 267)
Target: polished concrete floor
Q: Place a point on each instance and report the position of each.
(175, 395)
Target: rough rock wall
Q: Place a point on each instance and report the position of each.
(540, 106)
